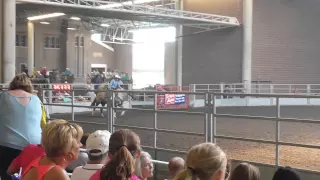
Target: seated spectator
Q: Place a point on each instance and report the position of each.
(124, 148)
(82, 157)
(28, 154)
(144, 166)
(175, 166)
(97, 148)
(245, 171)
(204, 161)
(61, 141)
(286, 173)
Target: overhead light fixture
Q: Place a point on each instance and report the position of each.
(44, 22)
(75, 18)
(72, 29)
(45, 16)
(104, 25)
(114, 5)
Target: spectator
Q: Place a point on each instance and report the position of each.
(286, 173)
(29, 153)
(144, 166)
(124, 148)
(43, 72)
(61, 141)
(204, 161)
(245, 171)
(20, 114)
(67, 72)
(176, 165)
(82, 157)
(97, 147)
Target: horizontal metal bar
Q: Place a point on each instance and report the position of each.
(160, 162)
(159, 130)
(69, 105)
(268, 118)
(164, 150)
(160, 111)
(85, 122)
(268, 142)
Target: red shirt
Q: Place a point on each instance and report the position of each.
(28, 154)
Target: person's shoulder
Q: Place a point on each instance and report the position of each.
(56, 173)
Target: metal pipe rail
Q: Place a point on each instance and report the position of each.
(209, 116)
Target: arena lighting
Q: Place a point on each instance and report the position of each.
(45, 16)
(104, 25)
(75, 18)
(44, 22)
(72, 29)
(127, 3)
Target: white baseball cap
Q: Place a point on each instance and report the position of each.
(98, 140)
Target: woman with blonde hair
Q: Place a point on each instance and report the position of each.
(61, 141)
(245, 171)
(20, 115)
(205, 161)
(144, 166)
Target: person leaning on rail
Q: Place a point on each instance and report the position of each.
(20, 116)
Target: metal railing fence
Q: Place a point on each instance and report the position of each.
(210, 116)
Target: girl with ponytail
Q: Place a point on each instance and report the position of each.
(205, 161)
(124, 148)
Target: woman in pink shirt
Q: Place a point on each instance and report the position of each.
(124, 148)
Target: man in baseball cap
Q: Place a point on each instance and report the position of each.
(97, 147)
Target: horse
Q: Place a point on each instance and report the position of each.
(104, 96)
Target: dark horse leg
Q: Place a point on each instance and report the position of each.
(94, 103)
(103, 103)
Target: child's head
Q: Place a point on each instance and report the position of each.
(245, 171)
(204, 161)
(176, 165)
(124, 148)
(286, 173)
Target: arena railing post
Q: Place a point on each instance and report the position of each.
(110, 111)
(155, 122)
(206, 118)
(72, 105)
(277, 131)
(214, 123)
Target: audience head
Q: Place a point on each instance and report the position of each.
(144, 166)
(97, 146)
(176, 165)
(61, 141)
(245, 171)
(286, 173)
(124, 148)
(205, 161)
(21, 82)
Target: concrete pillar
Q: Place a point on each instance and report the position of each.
(63, 45)
(1, 42)
(179, 47)
(9, 40)
(247, 44)
(30, 47)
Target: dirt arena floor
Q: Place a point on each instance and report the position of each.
(305, 133)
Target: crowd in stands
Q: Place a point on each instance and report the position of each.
(29, 151)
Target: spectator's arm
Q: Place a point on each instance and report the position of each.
(14, 166)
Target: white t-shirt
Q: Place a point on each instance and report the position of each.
(85, 172)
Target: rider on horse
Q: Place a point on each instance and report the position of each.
(116, 84)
